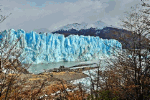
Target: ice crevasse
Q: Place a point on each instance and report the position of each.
(48, 47)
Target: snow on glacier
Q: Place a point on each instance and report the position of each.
(48, 47)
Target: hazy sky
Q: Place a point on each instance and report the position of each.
(36, 14)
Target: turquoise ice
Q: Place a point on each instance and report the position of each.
(48, 47)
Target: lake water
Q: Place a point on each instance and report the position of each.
(38, 68)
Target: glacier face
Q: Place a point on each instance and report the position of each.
(48, 47)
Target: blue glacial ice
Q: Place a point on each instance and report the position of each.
(48, 47)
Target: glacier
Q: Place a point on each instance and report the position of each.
(48, 47)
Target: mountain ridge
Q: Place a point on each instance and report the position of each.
(83, 25)
(104, 31)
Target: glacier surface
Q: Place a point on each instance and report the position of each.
(48, 47)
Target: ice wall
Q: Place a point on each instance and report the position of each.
(47, 47)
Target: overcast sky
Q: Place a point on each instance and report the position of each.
(35, 14)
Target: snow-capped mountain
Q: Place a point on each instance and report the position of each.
(83, 25)
(76, 26)
(98, 25)
(101, 30)
(43, 30)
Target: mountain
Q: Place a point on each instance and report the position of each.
(83, 25)
(75, 26)
(99, 25)
(104, 31)
(42, 30)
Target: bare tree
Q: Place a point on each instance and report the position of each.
(2, 17)
(10, 61)
(128, 76)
